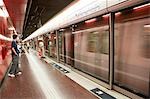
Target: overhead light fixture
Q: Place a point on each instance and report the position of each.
(118, 13)
(147, 26)
(91, 20)
(106, 15)
(141, 6)
(74, 25)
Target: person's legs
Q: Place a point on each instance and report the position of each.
(17, 70)
(13, 67)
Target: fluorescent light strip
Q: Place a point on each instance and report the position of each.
(141, 6)
(91, 20)
(118, 13)
(91, 29)
(106, 15)
(147, 26)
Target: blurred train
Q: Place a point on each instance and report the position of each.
(112, 48)
(86, 47)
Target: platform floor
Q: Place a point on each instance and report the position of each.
(41, 81)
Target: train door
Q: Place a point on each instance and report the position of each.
(91, 48)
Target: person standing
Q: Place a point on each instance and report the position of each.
(15, 58)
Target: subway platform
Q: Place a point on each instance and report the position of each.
(47, 79)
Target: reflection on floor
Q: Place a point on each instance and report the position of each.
(96, 89)
(41, 81)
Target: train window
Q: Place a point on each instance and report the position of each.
(92, 39)
(98, 42)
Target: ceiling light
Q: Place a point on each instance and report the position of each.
(147, 26)
(141, 6)
(118, 13)
(106, 15)
(91, 20)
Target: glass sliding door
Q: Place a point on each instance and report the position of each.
(52, 44)
(61, 46)
(69, 47)
(132, 50)
(46, 45)
(91, 50)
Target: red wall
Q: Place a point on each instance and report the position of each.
(5, 53)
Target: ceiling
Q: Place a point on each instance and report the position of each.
(29, 15)
(16, 10)
(39, 12)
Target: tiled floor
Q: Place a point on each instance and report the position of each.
(41, 81)
(88, 84)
